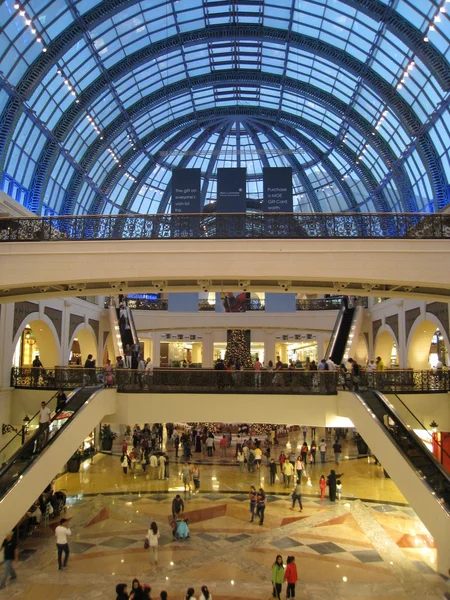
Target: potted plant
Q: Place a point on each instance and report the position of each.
(107, 437)
(74, 462)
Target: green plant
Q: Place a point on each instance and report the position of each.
(106, 433)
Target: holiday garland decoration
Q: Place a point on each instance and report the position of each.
(238, 348)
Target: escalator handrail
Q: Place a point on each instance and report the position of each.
(417, 441)
(334, 334)
(422, 425)
(50, 441)
(131, 322)
(19, 433)
(414, 436)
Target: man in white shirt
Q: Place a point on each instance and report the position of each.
(257, 366)
(322, 450)
(331, 365)
(162, 467)
(153, 466)
(141, 371)
(62, 532)
(288, 470)
(149, 372)
(44, 422)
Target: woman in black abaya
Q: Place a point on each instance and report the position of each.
(331, 482)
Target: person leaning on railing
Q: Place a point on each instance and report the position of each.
(90, 374)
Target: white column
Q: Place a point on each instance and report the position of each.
(6, 340)
(208, 350)
(320, 346)
(401, 349)
(65, 348)
(156, 356)
(269, 346)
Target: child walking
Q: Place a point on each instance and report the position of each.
(322, 486)
(338, 489)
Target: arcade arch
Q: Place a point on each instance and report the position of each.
(84, 342)
(36, 336)
(420, 339)
(386, 346)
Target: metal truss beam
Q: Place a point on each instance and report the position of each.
(210, 117)
(289, 126)
(237, 32)
(334, 173)
(154, 100)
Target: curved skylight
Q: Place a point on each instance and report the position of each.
(98, 103)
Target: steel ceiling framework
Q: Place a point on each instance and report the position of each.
(254, 119)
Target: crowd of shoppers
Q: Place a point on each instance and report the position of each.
(142, 591)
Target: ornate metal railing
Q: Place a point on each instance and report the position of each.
(319, 303)
(227, 226)
(407, 380)
(205, 305)
(203, 380)
(179, 380)
(143, 304)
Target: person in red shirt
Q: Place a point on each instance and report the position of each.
(322, 486)
(290, 575)
(223, 445)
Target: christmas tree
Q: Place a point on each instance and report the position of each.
(238, 348)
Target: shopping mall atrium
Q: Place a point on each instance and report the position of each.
(224, 233)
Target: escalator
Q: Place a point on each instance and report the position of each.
(420, 477)
(340, 335)
(28, 472)
(11, 447)
(123, 322)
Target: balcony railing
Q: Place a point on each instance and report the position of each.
(294, 381)
(319, 303)
(399, 380)
(205, 305)
(143, 304)
(179, 380)
(227, 226)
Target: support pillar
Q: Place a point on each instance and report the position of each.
(156, 356)
(208, 350)
(269, 346)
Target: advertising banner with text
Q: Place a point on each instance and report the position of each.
(186, 191)
(231, 192)
(277, 185)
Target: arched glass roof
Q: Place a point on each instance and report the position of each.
(100, 100)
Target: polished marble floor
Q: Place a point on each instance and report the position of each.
(369, 545)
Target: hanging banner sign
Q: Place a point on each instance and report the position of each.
(231, 193)
(186, 191)
(277, 186)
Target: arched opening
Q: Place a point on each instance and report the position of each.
(36, 339)
(83, 344)
(438, 350)
(427, 345)
(386, 347)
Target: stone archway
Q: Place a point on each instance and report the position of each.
(418, 347)
(384, 342)
(46, 338)
(85, 336)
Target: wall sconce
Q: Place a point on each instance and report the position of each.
(29, 340)
(434, 426)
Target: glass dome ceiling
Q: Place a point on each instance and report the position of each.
(100, 100)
